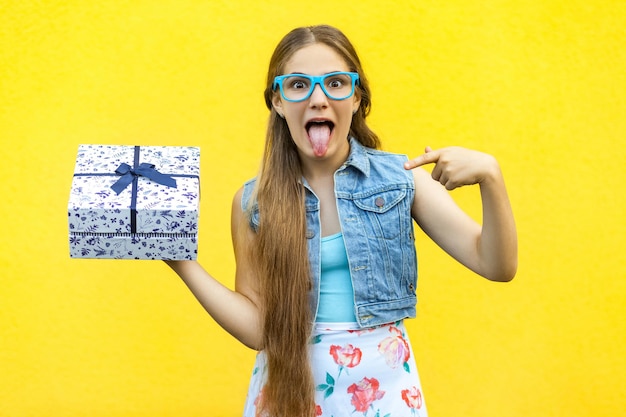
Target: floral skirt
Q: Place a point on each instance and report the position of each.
(367, 372)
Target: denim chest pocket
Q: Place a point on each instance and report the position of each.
(384, 212)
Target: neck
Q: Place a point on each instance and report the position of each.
(318, 168)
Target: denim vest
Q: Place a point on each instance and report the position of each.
(374, 197)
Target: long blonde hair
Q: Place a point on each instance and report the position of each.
(279, 250)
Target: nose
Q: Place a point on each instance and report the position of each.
(318, 97)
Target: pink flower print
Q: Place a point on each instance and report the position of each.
(413, 398)
(347, 356)
(318, 411)
(258, 404)
(359, 332)
(395, 349)
(364, 393)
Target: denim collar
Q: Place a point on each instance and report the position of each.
(358, 157)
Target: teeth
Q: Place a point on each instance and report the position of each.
(320, 122)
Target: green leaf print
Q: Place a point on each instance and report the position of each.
(328, 388)
(329, 379)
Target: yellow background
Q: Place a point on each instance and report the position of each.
(541, 84)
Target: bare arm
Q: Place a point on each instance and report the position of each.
(489, 250)
(236, 311)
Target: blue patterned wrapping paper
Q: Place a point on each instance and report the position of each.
(166, 218)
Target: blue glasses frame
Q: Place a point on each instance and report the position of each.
(315, 80)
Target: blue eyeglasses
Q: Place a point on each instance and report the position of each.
(299, 87)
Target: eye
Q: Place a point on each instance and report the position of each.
(297, 84)
(335, 83)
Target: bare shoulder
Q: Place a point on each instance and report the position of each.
(239, 223)
(236, 207)
(428, 194)
(436, 212)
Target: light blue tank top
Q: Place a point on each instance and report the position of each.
(336, 303)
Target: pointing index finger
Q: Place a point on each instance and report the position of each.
(428, 157)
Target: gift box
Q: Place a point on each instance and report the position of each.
(135, 202)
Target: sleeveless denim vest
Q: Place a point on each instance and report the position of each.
(374, 197)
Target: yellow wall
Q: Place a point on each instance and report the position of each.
(539, 83)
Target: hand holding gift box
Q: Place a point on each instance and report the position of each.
(135, 202)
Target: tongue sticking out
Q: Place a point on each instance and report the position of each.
(319, 135)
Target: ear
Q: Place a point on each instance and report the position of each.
(357, 102)
(277, 104)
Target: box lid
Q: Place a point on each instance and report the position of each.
(143, 206)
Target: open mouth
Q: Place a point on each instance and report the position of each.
(319, 132)
(319, 124)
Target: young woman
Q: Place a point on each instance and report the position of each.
(324, 242)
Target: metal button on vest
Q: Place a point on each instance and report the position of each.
(379, 202)
(310, 234)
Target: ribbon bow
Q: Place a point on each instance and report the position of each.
(144, 169)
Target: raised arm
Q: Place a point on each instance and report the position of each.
(489, 249)
(236, 311)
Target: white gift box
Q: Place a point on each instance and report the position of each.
(135, 202)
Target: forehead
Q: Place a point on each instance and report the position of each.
(315, 59)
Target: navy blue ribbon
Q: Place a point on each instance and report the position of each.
(130, 176)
